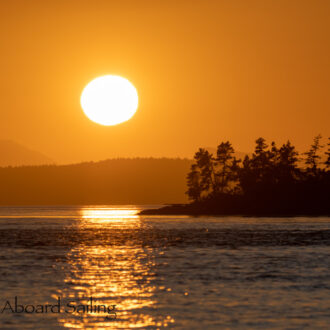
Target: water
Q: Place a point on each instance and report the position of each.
(162, 271)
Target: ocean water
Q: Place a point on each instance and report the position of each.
(155, 272)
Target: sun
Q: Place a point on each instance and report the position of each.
(109, 100)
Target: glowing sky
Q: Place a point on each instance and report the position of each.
(205, 71)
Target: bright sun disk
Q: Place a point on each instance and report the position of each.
(109, 100)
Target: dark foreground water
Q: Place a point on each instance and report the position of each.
(175, 272)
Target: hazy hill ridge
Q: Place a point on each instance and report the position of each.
(26, 180)
(114, 181)
(15, 154)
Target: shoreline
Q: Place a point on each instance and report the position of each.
(193, 210)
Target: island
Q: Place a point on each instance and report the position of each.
(273, 181)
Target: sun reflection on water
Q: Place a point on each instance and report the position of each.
(118, 275)
(113, 217)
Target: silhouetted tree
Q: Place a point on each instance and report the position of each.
(268, 181)
(312, 156)
(226, 168)
(262, 159)
(246, 176)
(285, 159)
(327, 162)
(257, 171)
(194, 184)
(204, 161)
(261, 146)
(201, 176)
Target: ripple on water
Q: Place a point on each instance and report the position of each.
(164, 271)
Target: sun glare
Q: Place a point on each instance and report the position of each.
(109, 100)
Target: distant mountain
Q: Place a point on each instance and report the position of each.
(14, 154)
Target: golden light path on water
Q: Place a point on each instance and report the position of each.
(115, 274)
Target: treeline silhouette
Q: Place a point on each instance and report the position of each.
(114, 181)
(272, 181)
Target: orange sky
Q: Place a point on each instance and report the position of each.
(205, 71)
